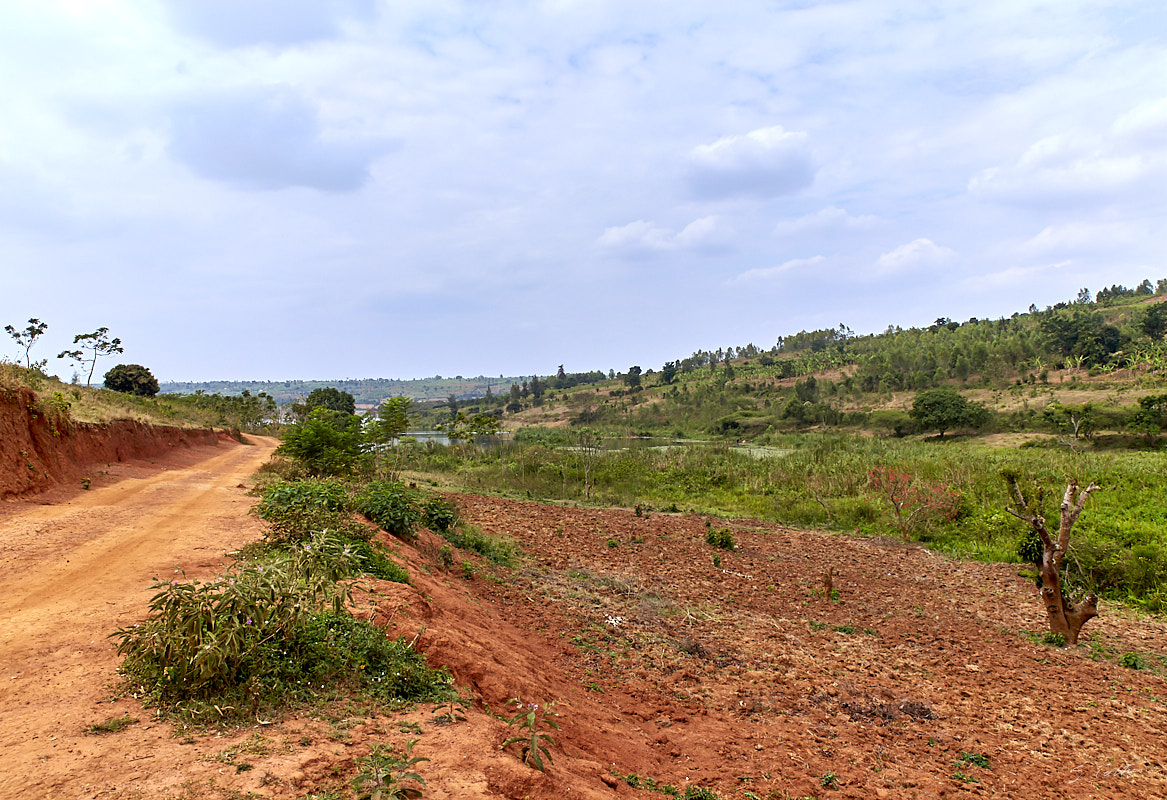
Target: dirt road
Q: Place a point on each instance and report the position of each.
(73, 572)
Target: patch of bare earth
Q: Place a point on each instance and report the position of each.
(738, 678)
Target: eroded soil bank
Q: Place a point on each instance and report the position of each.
(40, 449)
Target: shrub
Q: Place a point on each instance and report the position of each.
(132, 379)
(392, 507)
(720, 537)
(266, 633)
(440, 514)
(326, 443)
(296, 510)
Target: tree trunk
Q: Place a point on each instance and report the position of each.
(1064, 616)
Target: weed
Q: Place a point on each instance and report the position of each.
(1054, 639)
(385, 774)
(453, 705)
(829, 781)
(391, 506)
(469, 570)
(716, 561)
(1133, 660)
(445, 556)
(112, 725)
(719, 537)
(534, 741)
(613, 544)
(700, 793)
(964, 777)
(847, 629)
(976, 759)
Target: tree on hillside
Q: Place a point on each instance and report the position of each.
(1151, 417)
(944, 409)
(632, 378)
(1154, 324)
(27, 338)
(1077, 421)
(131, 379)
(332, 399)
(93, 346)
(668, 373)
(1065, 616)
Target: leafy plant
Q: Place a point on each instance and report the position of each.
(1133, 661)
(452, 706)
(267, 632)
(385, 774)
(829, 781)
(720, 537)
(439, 514)
(976, 759)
(296, 510)
(534, 741)
(392, 507)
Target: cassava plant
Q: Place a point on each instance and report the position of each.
(1065, 616)
(534, 741)
(384, 775)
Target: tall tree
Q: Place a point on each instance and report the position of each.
(93, 346)
(27, 338)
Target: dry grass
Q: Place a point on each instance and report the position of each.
(96, 405)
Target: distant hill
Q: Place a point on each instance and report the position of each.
(366, 391)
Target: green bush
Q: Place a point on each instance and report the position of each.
(267, 633)
(720, 537)
(296, 510)
(392, 507)
(327, 443)
(440, 514)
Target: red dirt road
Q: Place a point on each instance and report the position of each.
(74, 571)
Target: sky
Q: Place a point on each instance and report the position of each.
(315, 189)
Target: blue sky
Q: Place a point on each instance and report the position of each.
(269, 189)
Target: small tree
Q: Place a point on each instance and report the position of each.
(1065, 616)
(93, 346)
(912, 500)
(1151, 417)
(132, 379)
(27, 338)
(944, 409)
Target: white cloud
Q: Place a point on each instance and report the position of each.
(1125, 164)
(830, 219)
(768, 162)
(1079, 236)
(917, 254)
(769, 274)
(265, 138)
(239, 23)
(705, 235)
